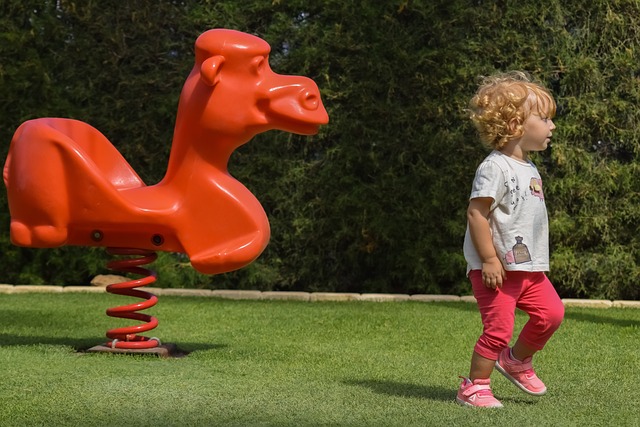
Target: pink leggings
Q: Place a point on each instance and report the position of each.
(531, 292)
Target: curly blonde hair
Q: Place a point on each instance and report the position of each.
(502, 104)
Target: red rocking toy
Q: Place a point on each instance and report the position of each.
(68, 185)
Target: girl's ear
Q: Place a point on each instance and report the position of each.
(513, 125)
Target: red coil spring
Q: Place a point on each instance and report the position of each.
(126, 337)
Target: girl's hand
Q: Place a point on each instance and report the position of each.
(493, 273)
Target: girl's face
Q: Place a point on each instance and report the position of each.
(537, 130)
(537, 134)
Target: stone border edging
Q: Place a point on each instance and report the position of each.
(301, 296)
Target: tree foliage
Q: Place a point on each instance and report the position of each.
(376, 202)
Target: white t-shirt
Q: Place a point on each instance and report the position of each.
(518, 215)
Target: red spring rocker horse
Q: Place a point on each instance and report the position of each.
(68, 185)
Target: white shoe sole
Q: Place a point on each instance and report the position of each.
(463, 403)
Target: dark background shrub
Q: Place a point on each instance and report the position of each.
(376, 202)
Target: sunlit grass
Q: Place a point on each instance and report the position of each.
(285, 363)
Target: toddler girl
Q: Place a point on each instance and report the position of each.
(506, 244)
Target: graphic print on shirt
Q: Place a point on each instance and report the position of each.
(535, 185)
(518, 254)
(514, 191)
(535, 189)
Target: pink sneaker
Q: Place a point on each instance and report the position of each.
(477, 394)
(520, 373)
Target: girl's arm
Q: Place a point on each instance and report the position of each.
(477, 215)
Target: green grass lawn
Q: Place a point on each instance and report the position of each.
(280, 363)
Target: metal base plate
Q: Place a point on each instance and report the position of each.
(164, 350)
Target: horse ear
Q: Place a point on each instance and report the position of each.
(210, 70)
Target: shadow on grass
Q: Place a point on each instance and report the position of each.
(394, 388)
(80, 345)
(518, 400)
(596, 318)
(570, 314)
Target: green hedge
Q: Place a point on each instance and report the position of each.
(376, 202)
